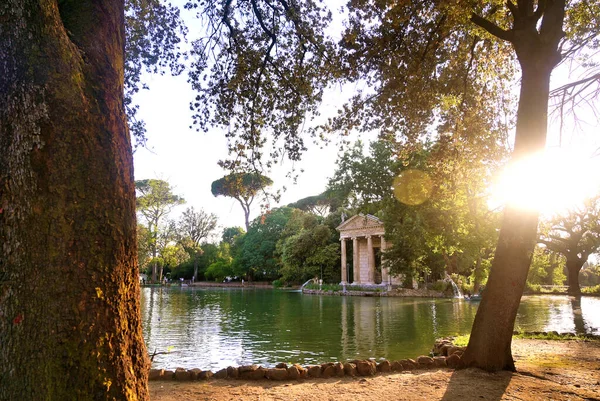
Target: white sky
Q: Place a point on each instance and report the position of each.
(188, 159)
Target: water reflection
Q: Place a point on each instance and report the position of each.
(215, 328)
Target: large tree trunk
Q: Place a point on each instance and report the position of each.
(70, 325)
(491, 336)
(537, 50)
(574, 265)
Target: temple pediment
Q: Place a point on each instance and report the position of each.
(361, 225)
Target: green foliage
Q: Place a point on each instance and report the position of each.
(463, 340)
(319, 204)
(574, 234)
(591, 290)
(242, 187)
(277, 284)
(218, 270)
(211, 253)
(310, 249)
(230, 234)
(259, 71)
(155, 200)
(453, 231)
(196, 225)
(254, 254)
(144, 246)
(364, 182)
(546, 268)
(590, 275)
(441, 286)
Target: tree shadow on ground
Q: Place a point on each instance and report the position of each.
(476, 384)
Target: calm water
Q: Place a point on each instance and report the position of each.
(216, 328)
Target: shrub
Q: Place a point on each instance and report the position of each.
(591, 290)
(277, 283)
(440, 286)
(534, 288)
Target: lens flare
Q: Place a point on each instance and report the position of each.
(413, 187)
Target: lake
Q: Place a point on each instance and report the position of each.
(219, 327)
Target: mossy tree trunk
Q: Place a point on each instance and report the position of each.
(535, 36)
(70, 327)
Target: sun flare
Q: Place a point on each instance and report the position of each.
(550, 182)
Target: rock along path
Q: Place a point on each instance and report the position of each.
(547, 370)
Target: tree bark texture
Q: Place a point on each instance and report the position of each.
(489, 346)
(70, 327)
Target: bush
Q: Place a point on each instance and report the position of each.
(219, 270)
(535, 288)
(440, 286)
(591, 290)
(277, 283)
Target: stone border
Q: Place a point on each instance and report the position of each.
(446, 356)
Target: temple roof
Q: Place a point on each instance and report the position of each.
(361, 225)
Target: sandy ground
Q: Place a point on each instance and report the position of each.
(547, 370)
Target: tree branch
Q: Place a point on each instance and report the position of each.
(513, 9)
(566, 87)
(491, 28)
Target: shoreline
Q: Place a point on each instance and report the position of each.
(547, 369)
(396, 292)
(445, 353)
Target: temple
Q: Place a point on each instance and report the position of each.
(368, 242)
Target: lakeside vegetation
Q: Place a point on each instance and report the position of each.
(292, 244)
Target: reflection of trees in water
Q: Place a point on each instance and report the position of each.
(578, 320)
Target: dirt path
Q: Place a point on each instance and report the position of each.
(548, 370)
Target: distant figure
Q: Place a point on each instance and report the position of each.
(242, 282)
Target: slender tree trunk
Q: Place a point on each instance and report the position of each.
(154, 233)
(477, 275)
(574, 265)
(578, 320)
(70, 325)
(491, 336)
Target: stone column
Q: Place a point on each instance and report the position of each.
(370, 261)
(344, 272)
(355, 261)
(385, 277)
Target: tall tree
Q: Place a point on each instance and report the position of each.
(69, 289)
(576, 235)
(195, 226)
(535, 31)
(308, 248)
(155, 200)
(319, 205)
(254, 255)
(242, 187)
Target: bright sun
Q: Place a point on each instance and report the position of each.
(551, 182)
